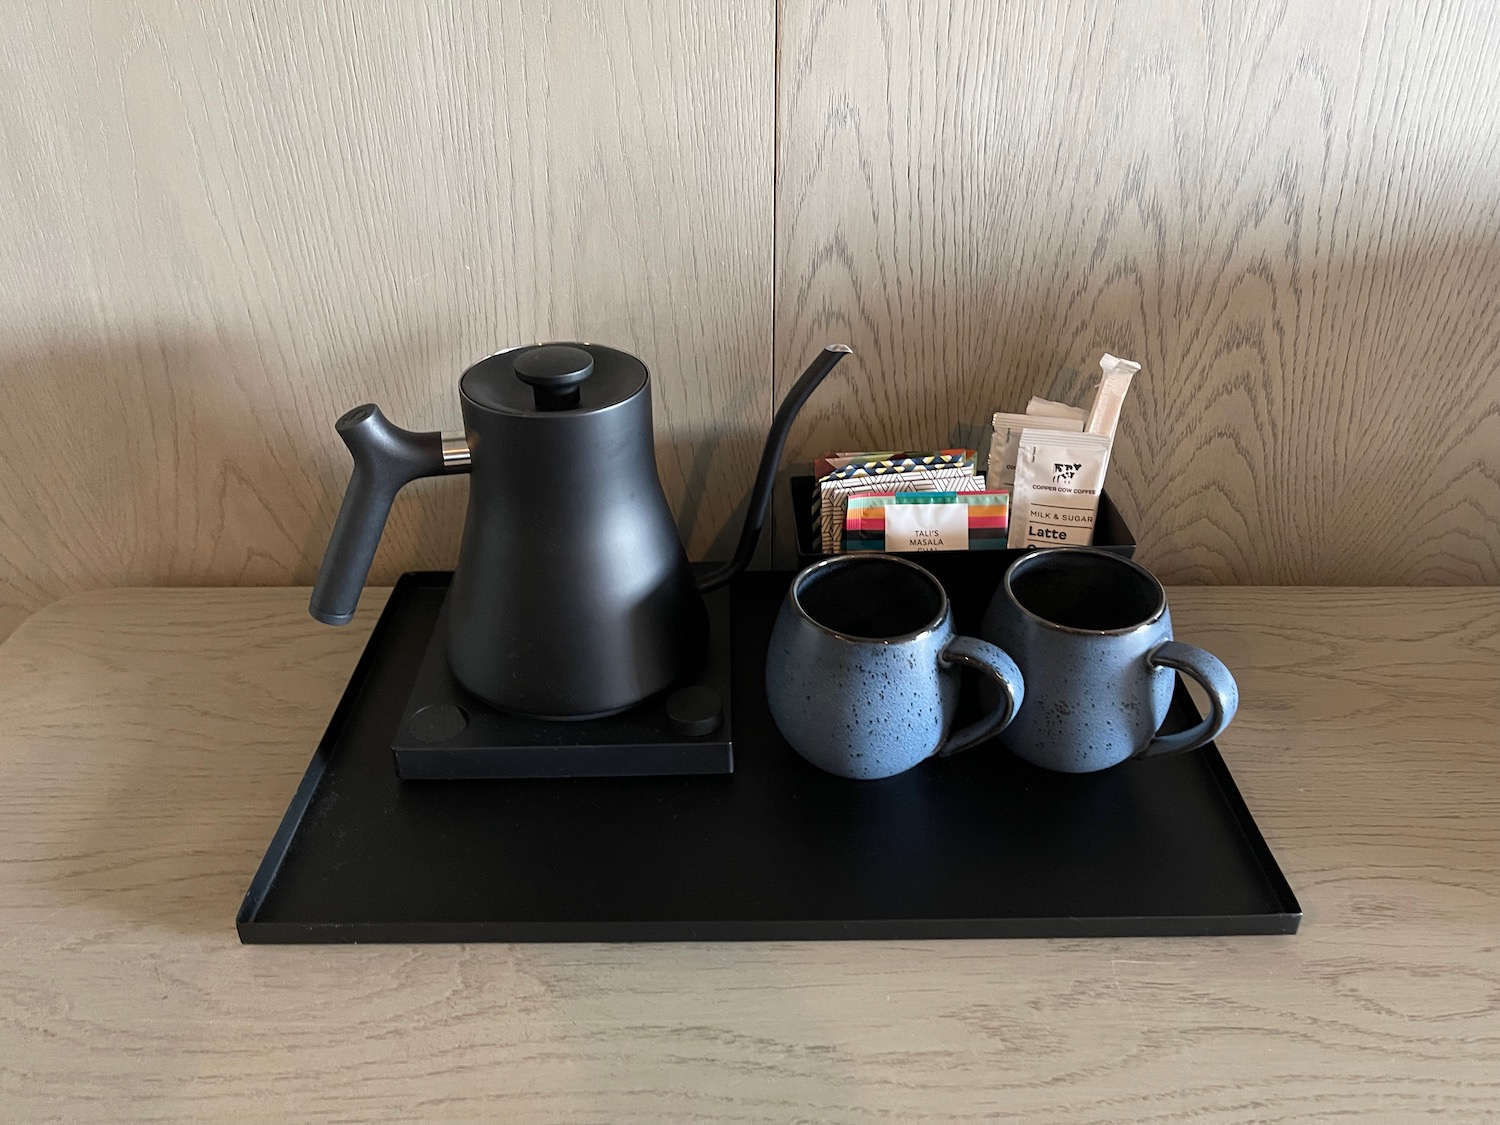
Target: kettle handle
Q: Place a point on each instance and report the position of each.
(386, 457)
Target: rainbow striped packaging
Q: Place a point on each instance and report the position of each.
(948, 470)
(928, 521)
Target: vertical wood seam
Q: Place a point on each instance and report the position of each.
(771, 516)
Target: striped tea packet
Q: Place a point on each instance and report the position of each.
(928, 521)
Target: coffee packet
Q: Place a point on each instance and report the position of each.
(1059, 476)
(1007, 434)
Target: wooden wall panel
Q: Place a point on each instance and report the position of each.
(222, 224)
(1289, 212)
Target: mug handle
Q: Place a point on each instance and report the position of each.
(993, 662)
(1223, 696)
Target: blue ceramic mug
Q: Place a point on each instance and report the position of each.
(1091, 633)
(862, 673)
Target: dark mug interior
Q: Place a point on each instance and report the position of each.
(1088, 590)
(870, 598)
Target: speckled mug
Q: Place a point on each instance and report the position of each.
(862, 670)
(1093, 637)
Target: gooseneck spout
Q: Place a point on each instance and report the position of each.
(770, 461)
(386, 458)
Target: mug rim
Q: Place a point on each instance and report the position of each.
(832, 561)
(1125, 630)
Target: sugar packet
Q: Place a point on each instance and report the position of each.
(1115, 375)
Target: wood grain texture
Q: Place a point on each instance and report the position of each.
(223, 224)
(1289, 212)
(151, 740)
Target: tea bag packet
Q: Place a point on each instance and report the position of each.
(835, 461)
(1055, 499)
(835, 497)
(950, 470)
(927, 521)
(1115, 375)
(1007, 434)
(824, 467)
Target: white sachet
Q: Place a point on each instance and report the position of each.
(1040, 407)
(1055, 497)
(1007, 432)
(1114, 381)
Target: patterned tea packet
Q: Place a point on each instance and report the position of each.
(945, 470)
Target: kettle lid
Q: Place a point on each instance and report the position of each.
(554, 378)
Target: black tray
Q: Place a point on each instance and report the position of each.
(980, 845)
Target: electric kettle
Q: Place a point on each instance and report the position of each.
(573, 597)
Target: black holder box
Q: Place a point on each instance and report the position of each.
(978, 845)
(954, 569)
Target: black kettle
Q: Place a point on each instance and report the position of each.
(573, 597)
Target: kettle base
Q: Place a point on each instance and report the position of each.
(448, 734)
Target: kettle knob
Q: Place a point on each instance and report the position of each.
(555, 372)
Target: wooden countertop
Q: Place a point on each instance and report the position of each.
(151, 739)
